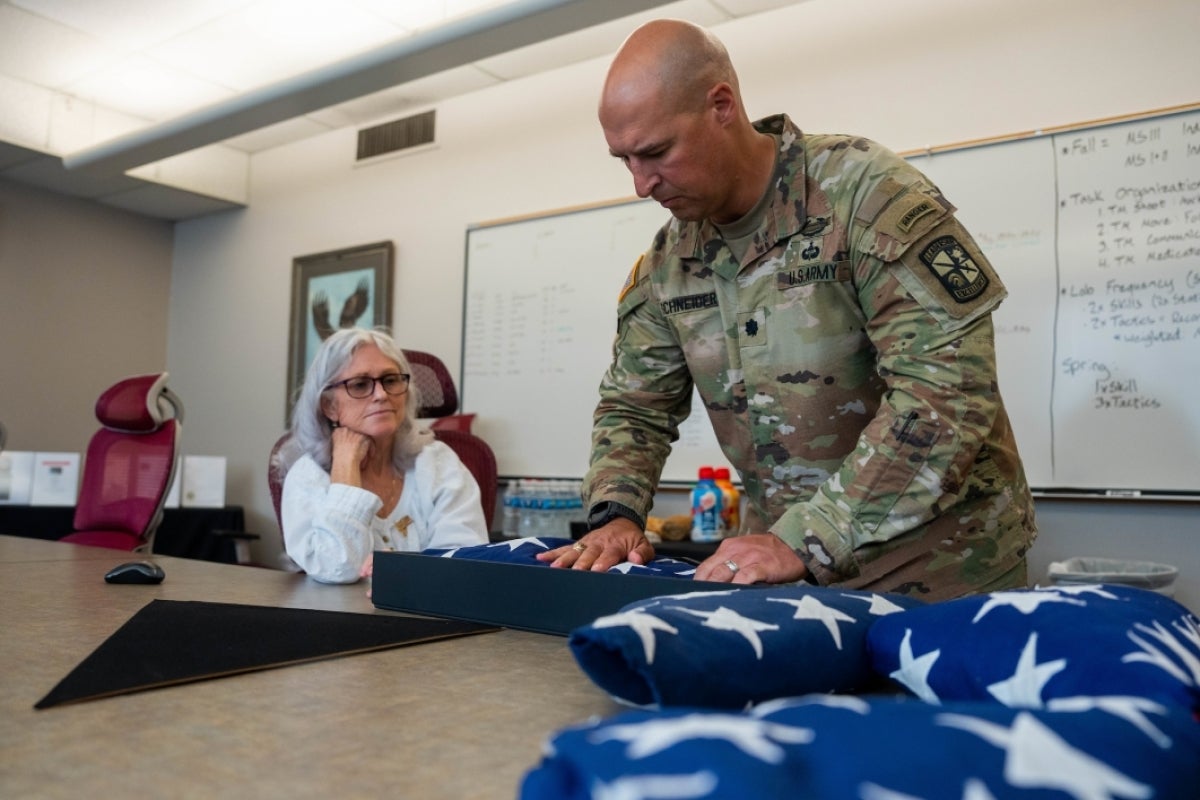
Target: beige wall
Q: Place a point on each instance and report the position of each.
(83, 302)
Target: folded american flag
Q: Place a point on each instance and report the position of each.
(1034, 648)
(525, 550)
(727, 649)
(874, 748)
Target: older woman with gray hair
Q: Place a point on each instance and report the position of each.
(362, 475)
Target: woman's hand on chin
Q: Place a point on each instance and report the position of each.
(350, 451)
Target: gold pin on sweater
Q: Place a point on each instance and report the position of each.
(402, 525)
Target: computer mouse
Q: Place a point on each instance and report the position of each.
(135, 572)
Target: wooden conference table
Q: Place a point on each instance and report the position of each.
(462, 718)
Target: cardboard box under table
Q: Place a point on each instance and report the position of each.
(532, 598)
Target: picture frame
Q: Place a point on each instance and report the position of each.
(344, 288)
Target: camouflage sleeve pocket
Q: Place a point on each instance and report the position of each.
(892, 469)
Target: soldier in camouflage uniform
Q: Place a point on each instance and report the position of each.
(836, 320)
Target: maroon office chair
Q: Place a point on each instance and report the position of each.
(129, 466)
(275, 474)
(480, 461)
(434, 385)
(439, 402)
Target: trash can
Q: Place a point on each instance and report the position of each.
(1142, 574)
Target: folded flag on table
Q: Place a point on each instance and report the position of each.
(727, 649)
(873, 747)
(1035, 647)
(525, 550)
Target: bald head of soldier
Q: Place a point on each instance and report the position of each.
(672, 111)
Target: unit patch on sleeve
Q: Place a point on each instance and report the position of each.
(954, 268)
(631, 281)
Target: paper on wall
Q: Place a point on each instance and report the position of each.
(16, 477)
(55, 479)
(203, 482)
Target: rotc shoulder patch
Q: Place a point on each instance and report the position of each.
(954, 268)
(631, 281)
(949, 276)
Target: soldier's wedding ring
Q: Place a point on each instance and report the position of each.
(733, 567)
(579, 547)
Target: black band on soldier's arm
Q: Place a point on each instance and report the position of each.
(603, 513)
(808, 576)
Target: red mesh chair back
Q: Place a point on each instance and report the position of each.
(479, 459)
(439, 400)
(454, 422)
(129, 465)
(275, 473)
(434, 385)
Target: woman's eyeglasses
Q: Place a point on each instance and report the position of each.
(362, 387)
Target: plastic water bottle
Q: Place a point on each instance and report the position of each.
(510, 524)
(576, 513)
(562, 509)
(548, 509)
(527, 516)
(541, 505)
(731, 511)
(707, 502)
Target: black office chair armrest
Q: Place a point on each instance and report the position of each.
(238, 539)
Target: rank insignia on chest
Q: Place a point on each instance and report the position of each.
(954, 268)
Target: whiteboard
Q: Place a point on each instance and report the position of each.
(1095, 232)
(539, 322)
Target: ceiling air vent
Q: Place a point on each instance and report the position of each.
(397, 135)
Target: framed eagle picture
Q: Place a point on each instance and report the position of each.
(350, 288)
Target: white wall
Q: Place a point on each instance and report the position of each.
(909, 74)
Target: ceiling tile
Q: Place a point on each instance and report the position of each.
(74, 73)
(45, 52)
(144, 88)
(591, 42)
(272, 40)
(26, 116)
(418, 16)
(744, 8)
(131, 24)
